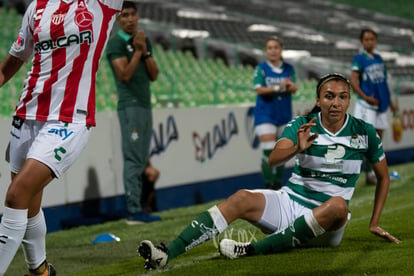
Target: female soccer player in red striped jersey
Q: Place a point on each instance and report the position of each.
(52, 121)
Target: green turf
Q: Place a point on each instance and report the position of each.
(361, 253)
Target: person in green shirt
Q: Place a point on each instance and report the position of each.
(129, 53)
(312, 207)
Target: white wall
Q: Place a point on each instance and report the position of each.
(181, 158)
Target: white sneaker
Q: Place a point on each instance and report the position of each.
(155, 256)
(232, 249)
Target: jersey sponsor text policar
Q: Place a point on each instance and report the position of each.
(67, 38)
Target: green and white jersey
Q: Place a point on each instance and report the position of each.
(331, 166)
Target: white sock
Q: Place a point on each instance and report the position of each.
(313, 224)
(12, 229)
(218, 219)
(34, 241)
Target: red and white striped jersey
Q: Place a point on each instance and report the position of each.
(66, 39)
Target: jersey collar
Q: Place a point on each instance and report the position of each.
(278, 69)
(368, 54)
(124, 35)
(67, 1)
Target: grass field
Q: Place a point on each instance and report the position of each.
(361, 253)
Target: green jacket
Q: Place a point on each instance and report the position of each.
(135, 92)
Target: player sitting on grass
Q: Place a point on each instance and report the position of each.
(312, 208)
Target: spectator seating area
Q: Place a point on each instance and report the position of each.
(185, 81)
(188, 82)
(207, 49)
(322, 28)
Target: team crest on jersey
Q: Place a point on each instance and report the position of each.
(58, 18)
(355, 143)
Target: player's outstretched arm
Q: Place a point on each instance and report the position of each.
(381, 192)
(8, 68)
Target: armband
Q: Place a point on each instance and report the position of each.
(276, 88)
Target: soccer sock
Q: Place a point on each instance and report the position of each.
(278, 174)
(298, 233)
(368, 166)
(206, 226)
(272, 175)
(34, 241)
(12, 229)
(267, 170)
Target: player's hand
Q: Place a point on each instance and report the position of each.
(283, 85)
(139, 42)
(287, 85)
(305, 139)
(371, 100)
(378, 231)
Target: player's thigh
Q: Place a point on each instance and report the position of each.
(278, 212)
(58, 145)
(22, 135)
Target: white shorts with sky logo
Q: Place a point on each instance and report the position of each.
(56, 144)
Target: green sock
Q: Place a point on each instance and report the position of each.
(198, 231)
(278, 174)
(368, 166)
(267, 171)
(296, 234)
(272, 175)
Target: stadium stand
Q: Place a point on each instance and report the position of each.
(321, 28)
(207, 49)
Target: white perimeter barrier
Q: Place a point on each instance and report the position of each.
(189, 145)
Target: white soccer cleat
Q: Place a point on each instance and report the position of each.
(155, 256)
(232, 249)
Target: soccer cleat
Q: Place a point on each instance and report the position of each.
(232, 249)
(51, 271)
(155, 256)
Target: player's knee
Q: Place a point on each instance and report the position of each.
(338, 209)
(338, 204)
(12, 197)
(239, 198)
